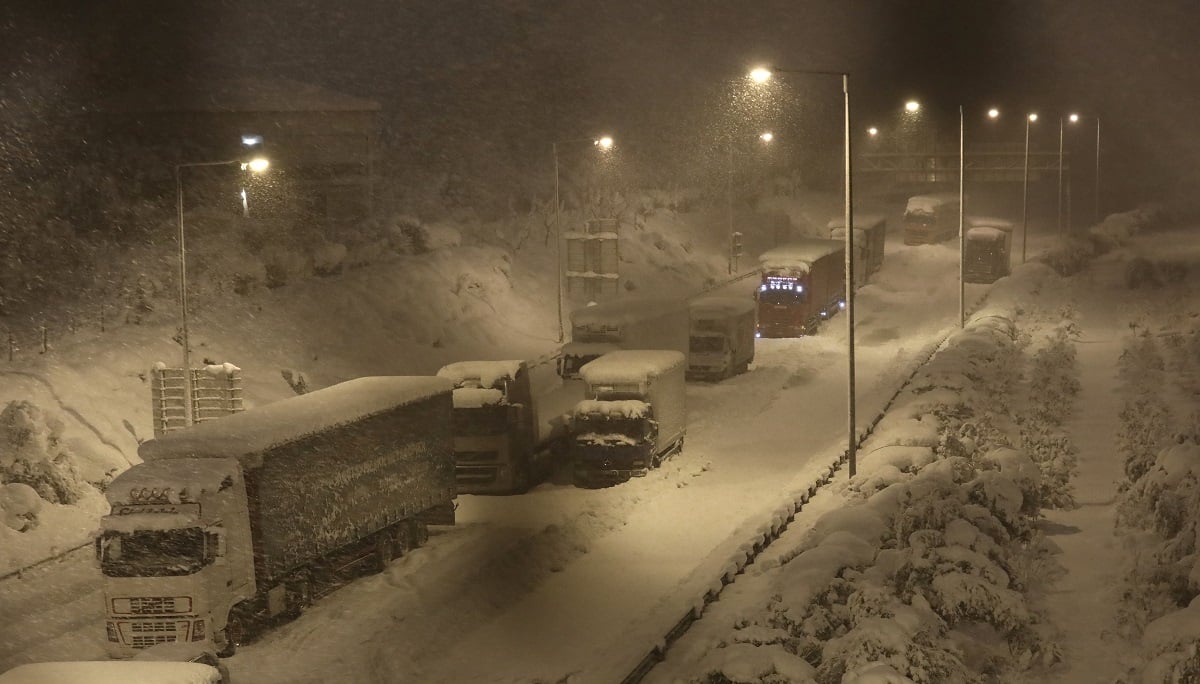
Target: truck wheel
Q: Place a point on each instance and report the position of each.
(229, 638)
(420, 533)
(385, 550)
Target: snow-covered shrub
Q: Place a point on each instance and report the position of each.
(283, 265)
(19, 506)
(32, 452)
(328, 258)
(1053, 384)
(1071, 257)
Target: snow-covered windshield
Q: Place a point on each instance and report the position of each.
(781, 296)
(707, 343)
(153, 553)
(480, 420)
(633, 428)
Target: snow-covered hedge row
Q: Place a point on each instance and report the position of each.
(1159, 505)
(922, 579)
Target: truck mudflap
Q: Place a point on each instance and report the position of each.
(441, 514)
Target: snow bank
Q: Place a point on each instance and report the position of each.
(485, 374)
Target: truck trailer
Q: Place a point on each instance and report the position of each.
(929, 219)
(870, 230)
(803, 284)
(633, 417)
(722, 337)
(235, 522)
(629, 323)
(986, 249)
(509, 431)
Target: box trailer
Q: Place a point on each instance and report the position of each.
(628, 323)
(930, 219)
(986, 249)
(722, 337)
(229, 523)
(870, 231)
(803, 284)
(634, 415)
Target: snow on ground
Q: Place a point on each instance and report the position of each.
(561, 582)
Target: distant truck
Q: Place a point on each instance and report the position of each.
(722, 337)
(803, 284)
(929, 219)
(870, 230)
(228, 523)
(633, 417)
(628, 323)
(507, 434)
(987, 249)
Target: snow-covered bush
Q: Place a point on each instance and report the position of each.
(19, 506)
(1053, 384)
(922, 581)
(32, 452)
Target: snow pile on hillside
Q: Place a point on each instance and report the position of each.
(923, 577)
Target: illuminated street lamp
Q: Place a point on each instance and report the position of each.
(765, 138)
(256, 164)
(992, 114)
(912, 106)
(604, 143)
(761, 75)
(872, 131)
(1032, 118)
(1073, 118)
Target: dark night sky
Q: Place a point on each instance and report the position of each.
(529, 70)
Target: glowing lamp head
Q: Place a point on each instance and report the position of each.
(760, 75)
(872, 131)
(1033, 117)
(1074, 118)
(993, 113)
(257, 165)
(912, 106)
(604, 143)
(767, 137)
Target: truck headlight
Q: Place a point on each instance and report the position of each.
(198, 630)
(111, 628)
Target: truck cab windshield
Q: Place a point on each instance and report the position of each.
(153, 553)
(781, 296)
(481, 421)
(707, 343)
(634, 428)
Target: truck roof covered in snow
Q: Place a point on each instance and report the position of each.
(986, 233)
(474, 397)
(164, 475)
(721, 306)
(623, 408)
(927, 204)
(629, 365)
(626, 310)
(487, 373)
(294, 418)
(989, 222)
(799, 254)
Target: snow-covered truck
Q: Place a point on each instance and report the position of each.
(870, 231)
(230, 523)
(929, 219)
(628, 323)
(986, 249)
(633, 417)
(803, 284)
(722, 337)
(508, 431)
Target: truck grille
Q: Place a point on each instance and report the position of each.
(152, 605)
(139, 641)
(475, 474)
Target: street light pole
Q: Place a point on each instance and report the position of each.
(729, 204)
(1060, 176)
(1025, 189)
(258, 164)
(603, 143)
(962, 243)
(1096, 208)
(760, 75)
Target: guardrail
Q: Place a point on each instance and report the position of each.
(19, 572)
